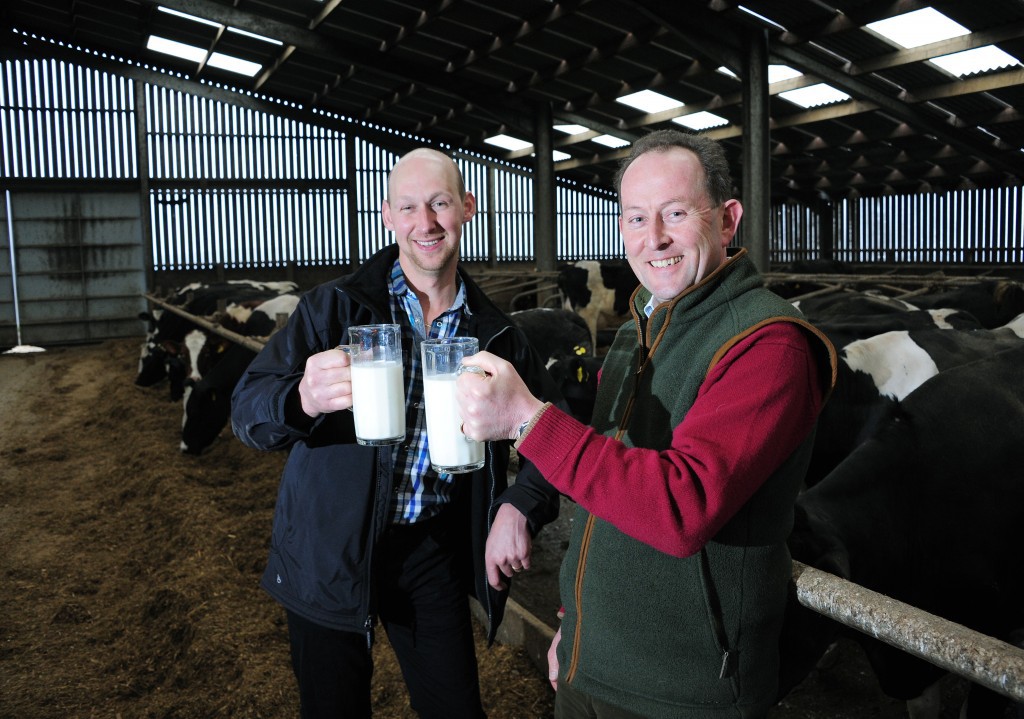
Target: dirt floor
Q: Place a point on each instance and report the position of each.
(128, 575)
(129, 572)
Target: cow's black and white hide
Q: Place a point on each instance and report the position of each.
(877, 373)
(598, 292)
(930, 511)
(207, 397)
(992, 302)
(554, 332)
(562, 340)
(163, 351)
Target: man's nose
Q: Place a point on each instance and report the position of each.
(425, 216)
(656, 237)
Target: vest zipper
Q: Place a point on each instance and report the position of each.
(574, 662)
(588, 530)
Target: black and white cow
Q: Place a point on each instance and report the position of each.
(850, 303)
(598, 292)
(992, 302)
(576, 378)
(876, 373)
(207, 399)
(844, 328)
(163, 349)
(563, 341)
(208, 402)
(930, 511)
(554, 333)
(202, 348)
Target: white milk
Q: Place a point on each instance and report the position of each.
(448, 445)
(378, 400)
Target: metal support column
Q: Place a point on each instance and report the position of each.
(826, 231)
(756, 171)
(492, 217)
(142, 167)
(544, 191)
(351, 200)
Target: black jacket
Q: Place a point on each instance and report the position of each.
(333, 500)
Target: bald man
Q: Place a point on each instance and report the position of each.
(363, 534)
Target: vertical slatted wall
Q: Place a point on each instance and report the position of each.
(271, 189)
(60, 120)
(71, 264)
(238, 188)
(963, 227)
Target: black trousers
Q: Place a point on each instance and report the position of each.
(423, 604)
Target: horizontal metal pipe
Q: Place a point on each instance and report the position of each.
(250, 342)
(948, 645)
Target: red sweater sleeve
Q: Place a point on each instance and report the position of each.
(753, 410)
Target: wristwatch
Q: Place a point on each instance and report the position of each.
(522, 428)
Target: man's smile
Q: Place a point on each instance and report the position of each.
(667, 262)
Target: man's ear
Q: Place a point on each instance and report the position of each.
(732, 211)
(468, 207)
(385, 214)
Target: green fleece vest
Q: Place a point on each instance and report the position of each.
(644, 630)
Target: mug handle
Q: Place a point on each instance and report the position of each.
(348, 349)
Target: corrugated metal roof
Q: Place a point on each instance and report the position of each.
(454, 72)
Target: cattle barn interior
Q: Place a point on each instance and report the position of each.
(152, 144)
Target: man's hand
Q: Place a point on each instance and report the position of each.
(326, 384)
(553, 659)
(508, 546)
(493, 406)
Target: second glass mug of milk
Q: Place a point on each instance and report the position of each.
(450, 450)
(378, 385)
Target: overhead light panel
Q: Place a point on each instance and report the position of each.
(186, 16)
(507, 142)
(199, 55)
(175, 48)
(762, 18)
(701, 120)
(572, 129)
(778, 73)
(610, 141)
(980, 59)
(920, 27)
(233, 64)
(650, 101)
(558, 156)
(254, 36)
(815, 95)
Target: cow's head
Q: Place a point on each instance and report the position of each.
(572, 281)
(207, 410)
(576, 378)
(151, 364)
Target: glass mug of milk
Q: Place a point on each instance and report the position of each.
(378, 385)
(450, 450)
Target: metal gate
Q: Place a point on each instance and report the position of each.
(78, 267)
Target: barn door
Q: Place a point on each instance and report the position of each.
(78, 267)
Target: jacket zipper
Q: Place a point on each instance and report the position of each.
(380, 509)
(368, 628)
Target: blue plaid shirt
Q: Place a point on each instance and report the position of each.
(419, 491)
